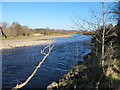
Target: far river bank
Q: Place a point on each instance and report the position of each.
(13, 43)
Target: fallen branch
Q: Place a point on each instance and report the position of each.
(38, 66)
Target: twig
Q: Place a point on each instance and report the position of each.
(97, 39)
(99, 81)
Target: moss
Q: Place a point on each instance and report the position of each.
(118, 62)
(64, 83)
(80, 67)
(117, 47)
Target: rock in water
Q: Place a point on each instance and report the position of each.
(52, 85)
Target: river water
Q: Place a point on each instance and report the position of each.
(19, 63)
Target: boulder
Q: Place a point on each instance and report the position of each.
(52, 85)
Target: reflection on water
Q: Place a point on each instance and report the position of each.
(19, 63)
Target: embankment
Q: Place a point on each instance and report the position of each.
(89, 74)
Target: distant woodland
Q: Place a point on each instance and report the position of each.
(15, 29)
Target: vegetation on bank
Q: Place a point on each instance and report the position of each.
(36, 37)
(17, 31)
(101, 68)
(91, 73)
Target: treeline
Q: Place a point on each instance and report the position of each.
(48, 31)
(51, 31)
(15, 29)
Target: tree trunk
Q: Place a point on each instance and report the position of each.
(103, 34)
(3, 32)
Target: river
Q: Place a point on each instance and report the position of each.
(19, 63)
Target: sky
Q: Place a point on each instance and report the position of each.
(54, 15)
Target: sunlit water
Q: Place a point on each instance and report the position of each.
(19, 63)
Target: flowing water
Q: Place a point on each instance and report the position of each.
(19, 63)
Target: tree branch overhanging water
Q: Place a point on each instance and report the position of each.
(18, 86)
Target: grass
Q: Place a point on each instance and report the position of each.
(19, 37)
(31, 36)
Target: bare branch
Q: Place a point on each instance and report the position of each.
(97, 39)
(99, 81)
(77, 23)
(108, 31)
(43, 51)
(37, 67)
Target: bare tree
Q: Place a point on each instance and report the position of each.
(16, 27)
(98, 24)
(103, 37)
(115, 10)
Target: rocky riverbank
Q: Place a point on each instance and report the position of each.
(14, 44)
(6, 44)
(88, 74)
(78, 77)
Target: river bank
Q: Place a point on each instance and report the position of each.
(87, 74)
(77, 77)
(12, 43)
(90, 74)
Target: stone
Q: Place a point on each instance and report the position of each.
(52, 85)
